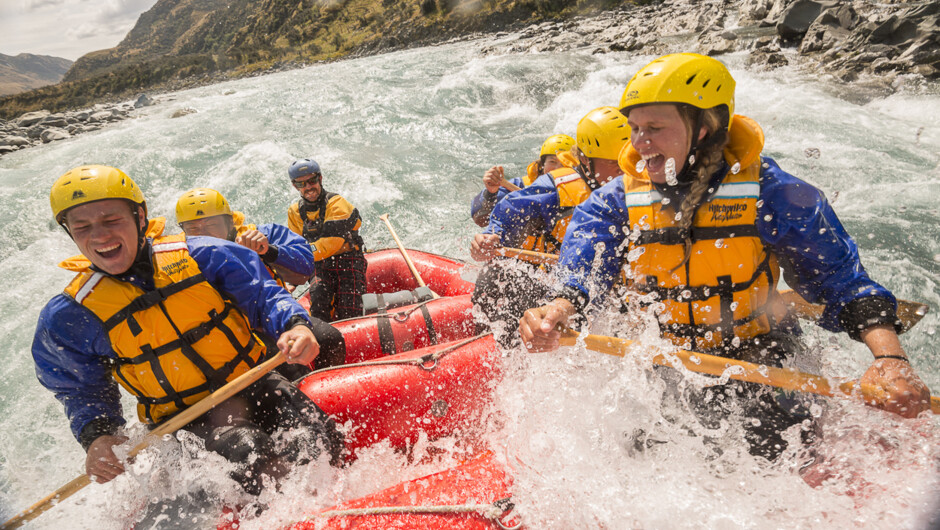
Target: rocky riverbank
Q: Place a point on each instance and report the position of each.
(879, 46)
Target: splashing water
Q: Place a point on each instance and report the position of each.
(595, 441)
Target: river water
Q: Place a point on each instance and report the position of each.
(410, 134)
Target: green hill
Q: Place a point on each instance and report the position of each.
(180, 42)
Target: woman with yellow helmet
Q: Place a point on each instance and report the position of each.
(702, 223)
(541, 212)
(482, 205)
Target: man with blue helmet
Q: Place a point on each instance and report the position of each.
(331, 225)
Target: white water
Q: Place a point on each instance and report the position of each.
(410, 134)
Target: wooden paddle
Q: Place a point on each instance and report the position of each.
(909, 313)
(508, 185)
(785, 378)
(168, 427)
(404, 253)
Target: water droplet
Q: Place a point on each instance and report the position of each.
(635, 254)
(736, 168)
(768, 218)
(670, 169)
(666, 201)
(640, 165)
(686, 294)
(765, 165)
(816, 410)
(719, 243)
(734, 305)
(736, 342)
(760, 203)
(678, 216)
(822, 230)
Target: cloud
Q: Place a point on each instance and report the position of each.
(42, 4)
(66, 28)
(109, 10)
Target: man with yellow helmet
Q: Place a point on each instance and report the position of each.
(170, 319)
(286, 255)
(541, 211)
(482, 205)
(702, 223)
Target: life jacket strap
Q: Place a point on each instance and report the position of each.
(148, 300)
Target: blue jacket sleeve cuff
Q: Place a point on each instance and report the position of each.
(95, 429)
(863, 313)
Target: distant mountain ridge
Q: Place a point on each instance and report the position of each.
(180, 42)
(27, 71)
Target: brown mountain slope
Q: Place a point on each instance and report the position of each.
(27, 71)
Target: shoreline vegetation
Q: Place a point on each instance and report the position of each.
(878, 48)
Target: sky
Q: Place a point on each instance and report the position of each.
(66, 28)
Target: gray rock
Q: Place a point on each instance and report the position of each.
(31, 118)
(101, 115)
(54, 120)
(14, 140)
(52, 134)
(182, 112)
(797, 18)
(4, 149)
(35, 131)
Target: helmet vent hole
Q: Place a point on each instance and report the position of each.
(705, 84)
(689, 82)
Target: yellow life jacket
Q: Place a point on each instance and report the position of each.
(727, 288)
(573, 189)
(175, 344)
(238, 219)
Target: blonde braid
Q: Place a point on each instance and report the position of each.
(709, 160)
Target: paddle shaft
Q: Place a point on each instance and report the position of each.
(170, 426)
(909, 313)
(784, 378)
(508, 185)
(404, 253)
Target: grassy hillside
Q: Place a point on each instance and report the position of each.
(180, 42)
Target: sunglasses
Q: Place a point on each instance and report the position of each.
(301, 184)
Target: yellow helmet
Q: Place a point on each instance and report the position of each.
(556, 143)
(200, 203)
(86, 184)
(688, 78)
(602, 133)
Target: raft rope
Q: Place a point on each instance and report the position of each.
(493, 512)
(427, 361)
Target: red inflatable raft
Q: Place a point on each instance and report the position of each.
(438, 391)
(472, 496)
(387, 272)
(415, 326)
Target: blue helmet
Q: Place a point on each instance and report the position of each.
(302, 168)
